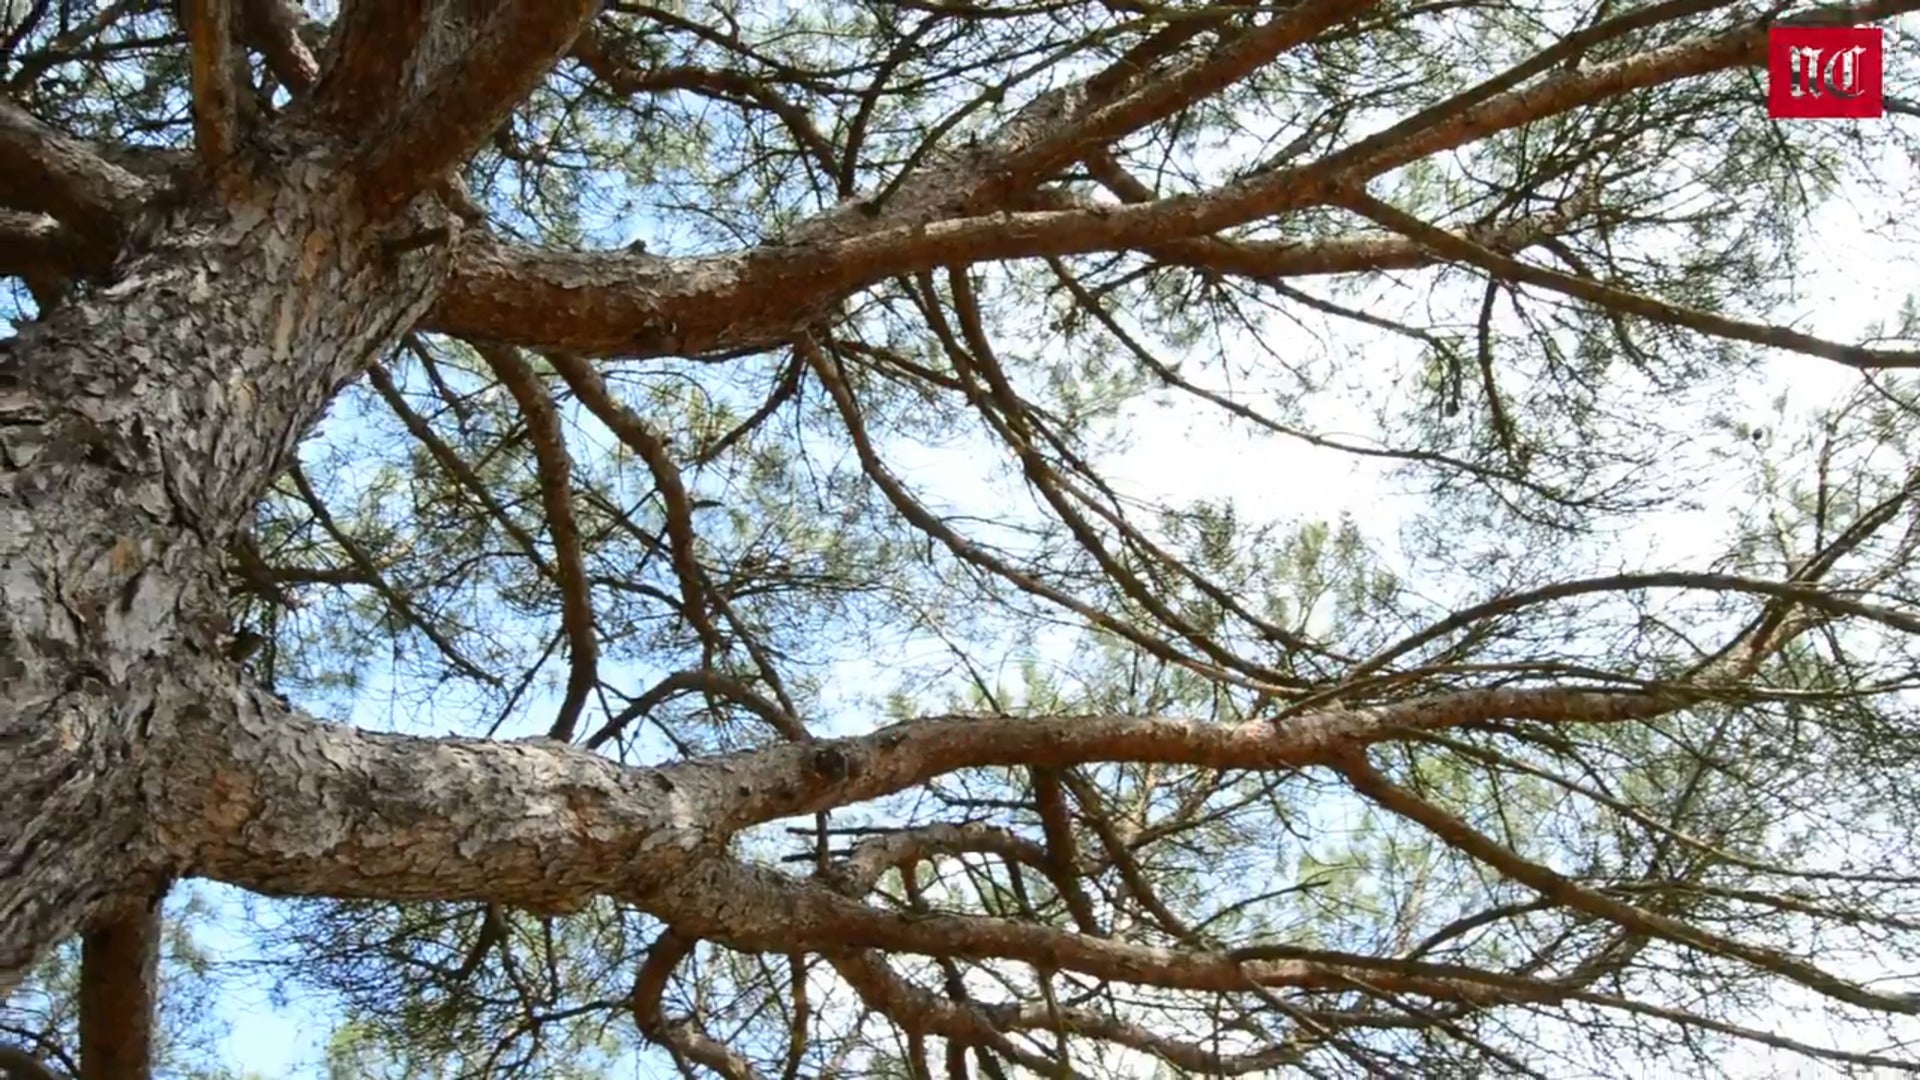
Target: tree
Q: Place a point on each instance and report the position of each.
(632, 317)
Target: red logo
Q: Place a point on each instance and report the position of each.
(1816, 72)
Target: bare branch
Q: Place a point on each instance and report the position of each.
(635, 432)
(682, 1036)
(468, 98)
(703, 679)
(916, 1010)
(371, 575)
(556, 494)
(1063, 850)
(44, 170)
(216, 120)
(621, 77)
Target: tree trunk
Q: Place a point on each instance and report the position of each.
(138, 425)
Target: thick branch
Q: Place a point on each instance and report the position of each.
(295, 806)
(372, 42)
(119, 987)
(607, 303)
(468, 98)
(44, 170)
(974, 1024)
(278, 30)
(20, 1064)
(756, 909)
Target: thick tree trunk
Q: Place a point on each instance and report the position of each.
(138, 425)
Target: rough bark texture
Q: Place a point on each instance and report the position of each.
(138, 425)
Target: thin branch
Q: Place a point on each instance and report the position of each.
(370, 574)
(1458, 834)
(633, 430)
(1625, 301)
(556, 495)
(702, 679)
(682, 1036)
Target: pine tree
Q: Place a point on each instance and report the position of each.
(613, 516)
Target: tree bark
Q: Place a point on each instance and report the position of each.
(138, 425)
(119, 991)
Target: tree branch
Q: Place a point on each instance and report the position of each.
(468, 98)
(46, 255)
(883, 991)
(621, 77)
(1458, 834)
(1624, 301)
(556, 495)
(295, 806)
(216, 117)
(630, 428)
(119, 990)
(615, 303)
(44, 170)
(278, 30)
(1147, 101)
(21, 1064)
(682, 1036)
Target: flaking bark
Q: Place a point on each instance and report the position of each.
(138, 425)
